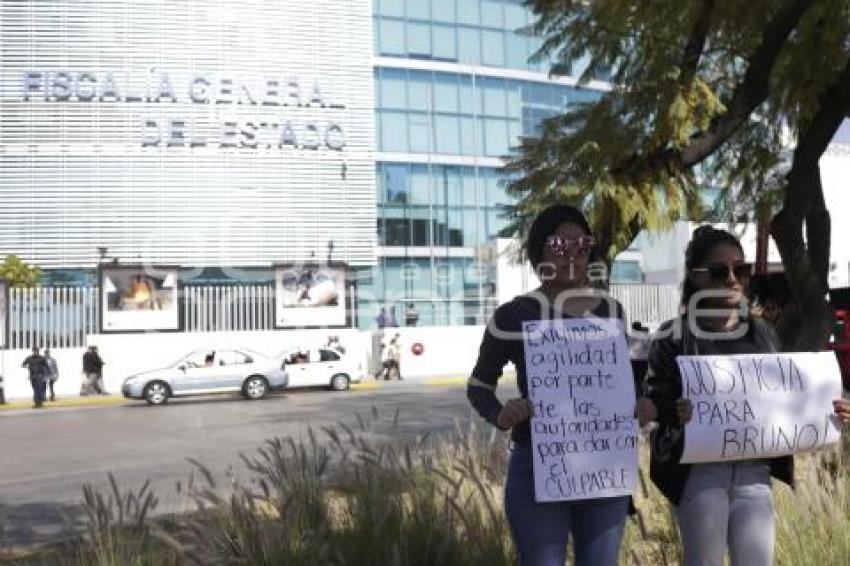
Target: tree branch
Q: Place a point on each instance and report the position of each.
(696, 44)
(749, 94)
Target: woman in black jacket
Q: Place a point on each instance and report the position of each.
(559, 245)
(724, 506)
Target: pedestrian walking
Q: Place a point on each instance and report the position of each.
(395, 356)
(381, 319)
(392, 322)
(720, 507)
(52, 372)
(411, 315)
(38, 373)
(93, 373)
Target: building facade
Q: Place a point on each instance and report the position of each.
(224, 137)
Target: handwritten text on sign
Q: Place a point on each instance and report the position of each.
(584, 434)
(759, 406)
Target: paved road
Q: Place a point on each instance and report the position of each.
(48, 455)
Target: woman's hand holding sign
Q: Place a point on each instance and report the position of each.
(685, 410)
(842, 410)
(514, 412)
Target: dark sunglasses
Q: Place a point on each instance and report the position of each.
(561, 246)
(720, 271)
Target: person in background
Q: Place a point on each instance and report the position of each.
(770, 294)
(333, 344)
(93, 371)
(392, 321)
(559, 246)
(395, 356)
(727, 506)
(381, 319)
(52, 372)
(38, 374)
(639, 340)
(411, 315)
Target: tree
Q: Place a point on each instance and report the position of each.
(17, 273)
(705, 93)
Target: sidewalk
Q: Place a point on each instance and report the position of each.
(116, 400)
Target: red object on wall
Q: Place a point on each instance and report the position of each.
(417, 348)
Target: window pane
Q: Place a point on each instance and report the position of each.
(496, 137)
(517, 50)
(392, 88)
(380, 184)
(468, 184)
(495, 223)
(396, 181)
(445, 45)
(444, 10)
(495, 100)
(512, 90)
(448, 183)
(445, 93)
(419, 91)
(420, 133)
(420, 185)
(493, 48)
(419, 39)
(515, 15)
(467, 96)
(418, 9)
(626, 272)
(447, 134)
(469, 45)
(467, 136)
(392, 37)
(468, 12)
(392, 8)
(393, 131)
(514, 133)
(491, 14)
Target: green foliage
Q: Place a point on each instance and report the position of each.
(676, 68)
(17, 273)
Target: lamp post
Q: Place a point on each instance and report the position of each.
(330, 250)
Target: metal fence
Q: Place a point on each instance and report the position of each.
(235, 307)
(52, 317)
(62, 317)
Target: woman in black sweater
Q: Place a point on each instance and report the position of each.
(724, 506)
(559, 245)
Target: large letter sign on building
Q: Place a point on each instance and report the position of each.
(191, 133)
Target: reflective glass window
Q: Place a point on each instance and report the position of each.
(420, 184)
(491, 14)
(393, 131)
(493, 48)
(447, 135)
(444, 10)
(515, 15)
(391, 34)
(419, 91)
(419, 39)
(392, 88)
(391, 8)
(469, 45)
(468, 12)
(445, 92)
(495, 100)
(420, 132)
(445, 43)
(516, 50)
(396, 179)
(467, 136)
(418, 9)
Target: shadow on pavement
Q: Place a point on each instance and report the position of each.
(33, 524)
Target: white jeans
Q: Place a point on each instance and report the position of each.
(727, 506)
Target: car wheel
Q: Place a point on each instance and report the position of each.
(157, 393)
(340, 382)
(255, 387)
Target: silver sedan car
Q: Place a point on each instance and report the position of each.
(208, 371)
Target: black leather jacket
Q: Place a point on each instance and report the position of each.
(664, 386)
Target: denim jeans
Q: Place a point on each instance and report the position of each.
(541, 530)
(727, 506)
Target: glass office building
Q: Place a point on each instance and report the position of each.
(454, 92)
(274, 131)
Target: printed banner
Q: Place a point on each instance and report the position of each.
(760, 405)
(584, 433)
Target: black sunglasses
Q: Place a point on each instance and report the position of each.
(720, 271)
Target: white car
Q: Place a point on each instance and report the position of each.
(319, 366)
(208, 371)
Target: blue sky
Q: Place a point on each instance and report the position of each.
(843, 133)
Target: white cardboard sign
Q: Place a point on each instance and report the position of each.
(759, 405)
(584, 434)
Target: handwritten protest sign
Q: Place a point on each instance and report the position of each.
(584, 434)
(760, 405)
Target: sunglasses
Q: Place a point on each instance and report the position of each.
(561, 246)
(720, 271)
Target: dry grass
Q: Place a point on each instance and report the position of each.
(337, 497)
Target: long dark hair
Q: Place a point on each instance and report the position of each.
(703, 240)
(546, 223)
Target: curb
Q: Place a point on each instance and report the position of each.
(100, 401)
